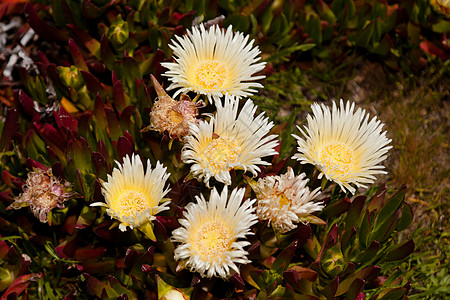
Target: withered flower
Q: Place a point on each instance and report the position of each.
(171, 116)
(42, 192)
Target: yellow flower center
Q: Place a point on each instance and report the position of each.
(220, 151)
(211, 240)
(132, 202)
(337, 156)
(283, 200)
(211, 74)
(175, 117)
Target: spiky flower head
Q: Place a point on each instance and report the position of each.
(133, 196)
(171, 116)
(229, 141)
(42, 192)
(214, 62)
(285, 200)
(343, 144)
(211, 233)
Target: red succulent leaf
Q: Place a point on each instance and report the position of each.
(131, 256)
(27, 104)
(44, 30)
(20, 284)
(4, 248)
(378, 200)
(78, 59)
(52, 73)
(292, 278)
(65, 121)
(124, 147)
(125, 118)
(330, 290)
(238, 281)
(284, 258)
(401, 251)
(9, 129)
(89, 252)
(98, 288)
(337, 208)
(106, 53)
(86, 218)
(119, 96)
(303, 272)
(88, 41)
(98, 196)
(91, 11)
(355, 289)
(69, 224)
(100, 165)
(354, 212)
(170, 223)
(58, 169)
(113, 124)
(95, 266)
(101, 148)
(433, 49)
(330, 241)
(7, 178)
(32, 164)
(92, 84)
(159, 230)
(366, 274)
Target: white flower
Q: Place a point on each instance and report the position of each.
(132, 196)
(229, 141)
(214, 62)
(344, 145)
(285, 200)
(210, 233)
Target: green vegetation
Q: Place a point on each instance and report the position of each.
(81, 98)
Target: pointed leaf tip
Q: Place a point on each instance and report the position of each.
(158, 88)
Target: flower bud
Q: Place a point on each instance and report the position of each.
(118, 33)
(71, 77)
(171, 116)
(332, 261)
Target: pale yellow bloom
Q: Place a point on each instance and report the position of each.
(229, 141)
(343, 144)
(133, 196)
(214, 62)
(211, 233)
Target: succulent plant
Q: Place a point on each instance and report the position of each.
(89, 103)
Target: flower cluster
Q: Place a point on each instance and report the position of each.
(211, 236)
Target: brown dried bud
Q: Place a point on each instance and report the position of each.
(169, 115)
(42, 192)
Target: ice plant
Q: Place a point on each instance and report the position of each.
(214, 62)
(42, 192)
(285, 200)
(173, 117)
(343, 144)
(211, 232)
(229, 141)
(133, 196)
